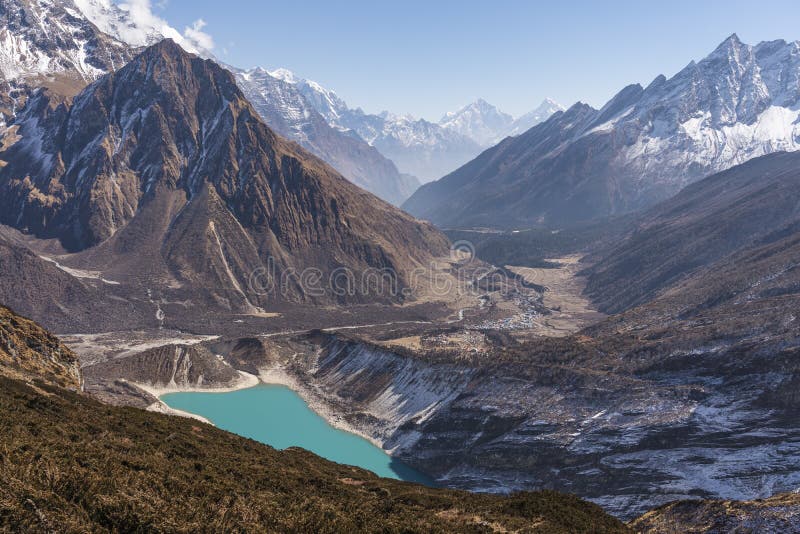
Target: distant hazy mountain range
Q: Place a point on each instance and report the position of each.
(419, 147)
(487, 125)
(643, 146)
(284, 107)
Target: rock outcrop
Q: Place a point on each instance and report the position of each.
(30, 353)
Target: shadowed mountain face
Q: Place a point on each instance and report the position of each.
(513, 181)
(642, 147)
(164, 169)
(749, 207)
(43, 289)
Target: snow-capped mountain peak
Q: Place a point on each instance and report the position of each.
(418, 147)
(738, 103)
(478, 120)
(546, 108)
(282, 74)
(487, 125)
(325, 101)
(527, 121)
(479, 106)
(43, 39)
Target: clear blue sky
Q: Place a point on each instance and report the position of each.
(426, 57)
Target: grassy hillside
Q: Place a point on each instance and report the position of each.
(71, 464)
(780, 513)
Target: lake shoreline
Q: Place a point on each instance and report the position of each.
(276, 414)
(275, 376)
(281, 377)
(246, 381)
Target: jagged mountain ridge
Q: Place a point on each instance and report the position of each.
(44, 39)
(419, 147)
(643, 146)
(164, 169)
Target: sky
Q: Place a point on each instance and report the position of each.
(427, 57)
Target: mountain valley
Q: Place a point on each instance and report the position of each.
(588, 324)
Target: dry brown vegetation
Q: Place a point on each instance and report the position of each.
(71, 464)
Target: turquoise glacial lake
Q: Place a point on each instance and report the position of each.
(279, 417)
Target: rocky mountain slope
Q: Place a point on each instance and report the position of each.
(49, 44)
(166, 158)
(46, 40)
(63, 298)
(168, 367)
(30, 353)
(643, 146)
(627, 422)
